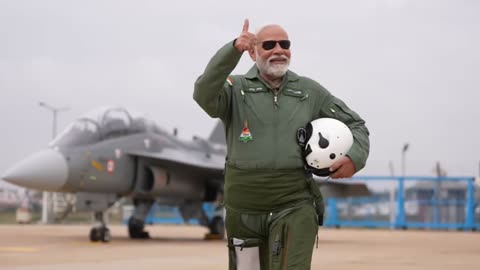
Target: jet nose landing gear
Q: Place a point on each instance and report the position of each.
(100, 232)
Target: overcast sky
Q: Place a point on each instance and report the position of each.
(411, 69)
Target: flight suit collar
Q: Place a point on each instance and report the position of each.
(254, 73)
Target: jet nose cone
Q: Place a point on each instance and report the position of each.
(45, 170)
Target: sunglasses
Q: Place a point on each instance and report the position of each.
(270, 44)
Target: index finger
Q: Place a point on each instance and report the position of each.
(335, 166)
(245, 26)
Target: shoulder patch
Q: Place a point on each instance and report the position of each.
(230, 81)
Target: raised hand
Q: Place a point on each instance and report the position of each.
(246, 41)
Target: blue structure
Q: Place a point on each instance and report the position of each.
(161, 214)
(448, 203)
(440, 203)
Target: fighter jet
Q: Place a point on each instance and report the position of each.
(110, 153)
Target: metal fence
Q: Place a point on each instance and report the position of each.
(428, 203)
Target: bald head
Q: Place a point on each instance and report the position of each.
(269, 30)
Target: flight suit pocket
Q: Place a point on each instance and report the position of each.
(295, 104)
(279, 238)
(256, 101)
(253, 223)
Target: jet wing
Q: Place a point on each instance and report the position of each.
(342, 189)
(193, 160)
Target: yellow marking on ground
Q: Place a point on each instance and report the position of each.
(18, 249)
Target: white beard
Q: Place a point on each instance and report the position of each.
(273, 70)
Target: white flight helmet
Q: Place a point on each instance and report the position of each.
(324, 141)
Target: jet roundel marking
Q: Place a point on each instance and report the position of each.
(110, 166)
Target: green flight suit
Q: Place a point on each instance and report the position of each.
(266, 187)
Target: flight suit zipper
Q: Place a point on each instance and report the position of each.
(275, 121)
(276, 116)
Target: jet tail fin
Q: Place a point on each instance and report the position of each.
(218, 134)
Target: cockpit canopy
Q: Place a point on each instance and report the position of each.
(102, 124)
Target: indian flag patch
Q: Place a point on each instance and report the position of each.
(246, 135)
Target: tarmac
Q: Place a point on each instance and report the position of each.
(66, 247)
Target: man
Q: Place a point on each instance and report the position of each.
(271, 220)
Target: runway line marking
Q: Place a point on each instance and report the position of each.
(18, 249)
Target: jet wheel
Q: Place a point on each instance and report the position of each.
(136, 229)
(100, 234)
(94, 235)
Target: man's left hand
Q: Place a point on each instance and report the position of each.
(343, 168)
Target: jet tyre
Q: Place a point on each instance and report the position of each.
(136, 229)
(100, 234)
